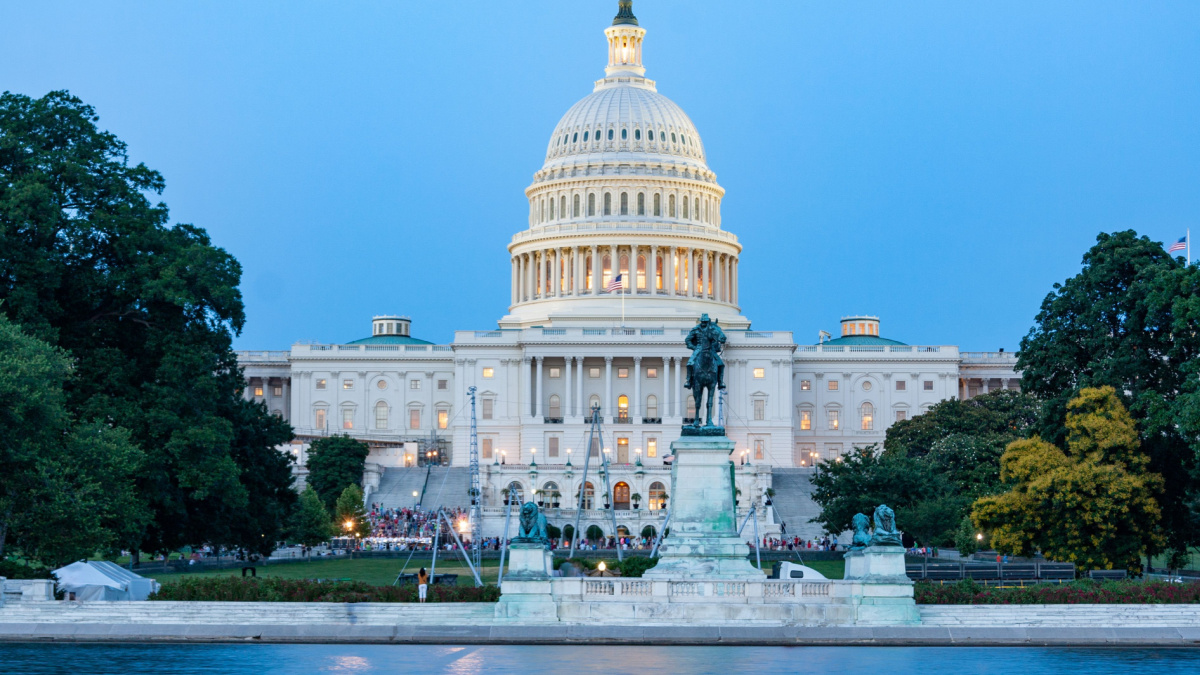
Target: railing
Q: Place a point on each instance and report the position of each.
(759, 334)
(383, 348)
(488, 334)
(929, 349)
(686, 589)
(594, 331)
(553, 420)
(598, 588)
(652, 331)
(651, 420)
(642, 588)
(735, 589)
(554, 331)
(622, 419)
(900, 348)
(866, 348)
(990, 356)
(416, 348)
(443, 348)
(624, 331)
(248, 356)
(349, 348)
(806, 348)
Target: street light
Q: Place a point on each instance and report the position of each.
(533, 456)
(503, 457)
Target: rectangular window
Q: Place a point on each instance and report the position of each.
(833, 385)
(319, 419)
(760, 409)
(321, 384)
(901, 415)
(622, 372)
(833, 420)
(443, 385)
(443, 419)
(652, 447)
(928, 385)
(258, 391)
(552, 447)
(488, 406)
(805, 385)
(489, 373)
(759, 445)
(277, 391)
(901, 385)
(347, 384)
(555, 372)
(347, 418)
(652, 373)
(414, 419)
(381, 416)
(485, 448)
(593, 371)
(833, 450)
(760, 373)
(805, 420)
(414, 384)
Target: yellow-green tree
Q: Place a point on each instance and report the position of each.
(1094, 504)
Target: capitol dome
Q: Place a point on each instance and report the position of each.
(625, 214)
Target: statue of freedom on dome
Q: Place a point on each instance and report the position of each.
(705, 369)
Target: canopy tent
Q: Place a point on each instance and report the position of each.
(100, 580)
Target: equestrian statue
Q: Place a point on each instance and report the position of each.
(705, 369)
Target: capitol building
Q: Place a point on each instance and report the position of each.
(624, 249)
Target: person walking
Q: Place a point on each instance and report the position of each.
(422, 584)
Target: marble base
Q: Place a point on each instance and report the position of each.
(526, 592)
(879, 590)
(529, 561)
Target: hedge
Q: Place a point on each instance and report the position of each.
(272, 589)
(1084, 591)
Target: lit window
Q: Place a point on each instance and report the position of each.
(901, 385)
(760, 409)
(805, 420)
(593, 371)
(623, 407)
(901, 415)
(928, 385)
(759, 447)
(489, 373)
(805, 385)
(319, 419)
(622, 372)
(833, 385)
(414, 419)
(382, 384)
(868, 416)
(652, 447)
(555, 373)
(552, 443)
(347, 384)
(277, 391)
(488, 408)
(651, 373)
(485, 448)
(833, 420)
(443, 384)
(760, 373)
(443, 418)
(414, 384)
(381, 415)
(320, 384)
(347, 418)
(258, 391)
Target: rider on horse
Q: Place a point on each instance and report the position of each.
(711, 334)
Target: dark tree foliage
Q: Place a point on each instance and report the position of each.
(1006, 414)
(1130, 320)
(335, 463)
(147, 311)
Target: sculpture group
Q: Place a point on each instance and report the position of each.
(884, 534)
(705, 372)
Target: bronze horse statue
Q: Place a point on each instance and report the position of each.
(706, 369)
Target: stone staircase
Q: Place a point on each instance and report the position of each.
(447, 487)
(277, 613)
(1057, 616)
(396, 487)
(793, 502)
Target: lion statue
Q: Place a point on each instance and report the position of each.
(885, 533)
(862, 535)
(532, 527)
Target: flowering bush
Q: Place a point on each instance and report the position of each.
(273, 589)
(1085, 591)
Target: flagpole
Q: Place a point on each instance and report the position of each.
(622, 302)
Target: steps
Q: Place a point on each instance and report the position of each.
(793, 502)
(1057, 616)
(396, 487)
(285, 613)
(447, 487)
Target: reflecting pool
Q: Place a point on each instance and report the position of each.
(35, 659)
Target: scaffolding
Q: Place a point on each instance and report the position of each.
(476, 514)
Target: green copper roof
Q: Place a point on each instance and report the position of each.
(625, 13)
(389, 340)
(862, 340)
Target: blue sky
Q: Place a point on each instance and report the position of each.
(940, 164)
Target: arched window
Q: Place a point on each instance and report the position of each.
(555, 406)
(641, 204)
(319, 418)
(381, 415)
(589, 495)
(700, 274)
(516, 495)
(652, 406)
(588, 274)
(562, 206)
(637, 134)
(650, 134)
(671, 206)
(641, 273)
(624, 134)
(624, 203)
(624, 266)
(575, 137)
(585, 135)
(597, 136)
(592, 204)
(657, 496)
(606, 272)
(673, 139)
(658, 273)
(542, 217)
(685, 207)
(657, 204)
(608, 203)
(575, 206)
(548, 491)
(620, 500)
(623, 407)
(868, 416)
(552, 208)
(593, 404)
(610, 134)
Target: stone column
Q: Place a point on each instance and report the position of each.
(538, 388)
(691, 273)
(680, 404)
(984, 385)
(579, 389)
(527, 384)
(638, 409)
(668, 410)
(669, 263)
(735, 281)
(614, 269)
(606, 404)
(558, 273)
(595, 270)
(568, 410)
(1004, 383)
(652, 271)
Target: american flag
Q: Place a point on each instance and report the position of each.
(614, 285)
(1180, 245)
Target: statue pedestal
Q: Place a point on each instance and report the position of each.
(703, 542)
(525, 592)
(880, 590)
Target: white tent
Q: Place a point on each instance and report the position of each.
(100, 580)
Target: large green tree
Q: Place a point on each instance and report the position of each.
(311, 524)
(1129, 320)
(335, 463)
(147, 311)
(66, 489)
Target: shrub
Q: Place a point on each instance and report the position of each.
(274, 589)
(10, 569)
(1084, 591)
(635, 566)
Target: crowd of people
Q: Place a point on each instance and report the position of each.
(797, 544)
(405, 523)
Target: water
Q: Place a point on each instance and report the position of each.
(38, 659)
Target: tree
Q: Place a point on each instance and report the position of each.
(66, 490)
(1093, 504)
(334, 463)
(351, 516)
(1128, 320)
(311, 524)
(1001, 415)
(147, 312)
(966, 537)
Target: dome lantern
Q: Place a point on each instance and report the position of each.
(625, 44)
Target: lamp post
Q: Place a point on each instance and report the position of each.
(503, 457)
(533, 457)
